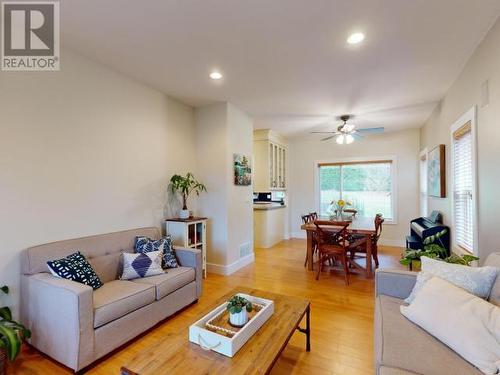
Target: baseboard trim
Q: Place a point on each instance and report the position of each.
(222, 269)
(392, 242)
(301, 234)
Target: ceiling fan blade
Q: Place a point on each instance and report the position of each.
(357, 136)
(371, 130)
(323, 132)
(330, 137)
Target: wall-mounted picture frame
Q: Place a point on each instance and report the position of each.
(436, 172)
(242, 170)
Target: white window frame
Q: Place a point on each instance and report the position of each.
(394, 179)
(423, 212)
(469, 116)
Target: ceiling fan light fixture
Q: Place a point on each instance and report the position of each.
(348, 127)
(349, 139)
(340, 139)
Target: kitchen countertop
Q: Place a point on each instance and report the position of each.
(268, 206)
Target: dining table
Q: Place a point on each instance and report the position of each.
(360, 225)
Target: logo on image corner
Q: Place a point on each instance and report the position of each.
(30, 36)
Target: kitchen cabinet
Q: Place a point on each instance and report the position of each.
(270, 162)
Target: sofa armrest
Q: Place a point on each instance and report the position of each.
(394, 283)
(60, 315)
(191, 258)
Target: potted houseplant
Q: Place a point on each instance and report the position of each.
(238, 308)
(12, 335)
(434, 248)
(185, 185)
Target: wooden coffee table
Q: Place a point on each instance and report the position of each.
(175, 354)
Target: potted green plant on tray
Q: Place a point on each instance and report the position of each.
(185, 185)
(238, 308)
(12, 335)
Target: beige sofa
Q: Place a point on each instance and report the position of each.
(402, 347)
(74, 324)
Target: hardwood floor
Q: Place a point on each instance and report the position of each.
(341, 316)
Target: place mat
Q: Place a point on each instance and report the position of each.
(220, 323)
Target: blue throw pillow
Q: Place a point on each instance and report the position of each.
(145, 245)
(141, 265)
(76, 268)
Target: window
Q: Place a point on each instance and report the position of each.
(367, 185)
(423, 183)
(463, 169)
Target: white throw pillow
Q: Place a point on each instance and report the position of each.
(475, 280)
(467, 324)
(137, 265)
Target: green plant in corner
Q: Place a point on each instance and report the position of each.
(236, 304)
(185, 185)
(12, 334)
(431, 249)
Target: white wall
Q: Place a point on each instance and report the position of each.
(221, 131)
(84, 151)
(403, 145)
(465, 93)
(211, 152)
(240, 209)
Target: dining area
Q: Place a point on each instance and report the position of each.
(343, 242)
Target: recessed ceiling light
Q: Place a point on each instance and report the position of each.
(215, 75)
(356, 38)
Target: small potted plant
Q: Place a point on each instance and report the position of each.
(238, 308)
(185, 185)
(12, 335)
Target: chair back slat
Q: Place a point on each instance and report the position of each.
(379, 220)
(331, 231)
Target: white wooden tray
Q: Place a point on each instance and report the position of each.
(228, 346)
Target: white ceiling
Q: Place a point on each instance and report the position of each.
(286, 62)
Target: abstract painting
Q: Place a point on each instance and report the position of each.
(242, 170)
(436, 172)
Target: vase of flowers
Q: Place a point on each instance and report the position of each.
(338, 207)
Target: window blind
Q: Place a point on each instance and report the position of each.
(462, 190)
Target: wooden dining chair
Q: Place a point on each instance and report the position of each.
(313, 215)
(332, 244)
(306, 219)
(358, 242)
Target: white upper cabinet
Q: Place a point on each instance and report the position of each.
(270, 158)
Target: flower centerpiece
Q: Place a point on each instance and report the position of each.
(238, 308)
(338, 207)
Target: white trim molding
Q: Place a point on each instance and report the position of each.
(229, 269)
(470, 115)
(422, 154)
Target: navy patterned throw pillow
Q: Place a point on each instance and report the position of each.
(145, 245)
(141, 265)
(76, 268)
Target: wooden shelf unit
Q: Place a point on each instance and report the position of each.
(189, 233)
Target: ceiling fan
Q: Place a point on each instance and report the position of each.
(346, 133)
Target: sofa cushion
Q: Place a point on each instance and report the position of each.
(170, 281)
(118, 298)
(472, 326)
(401, 344)
(494, 260)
